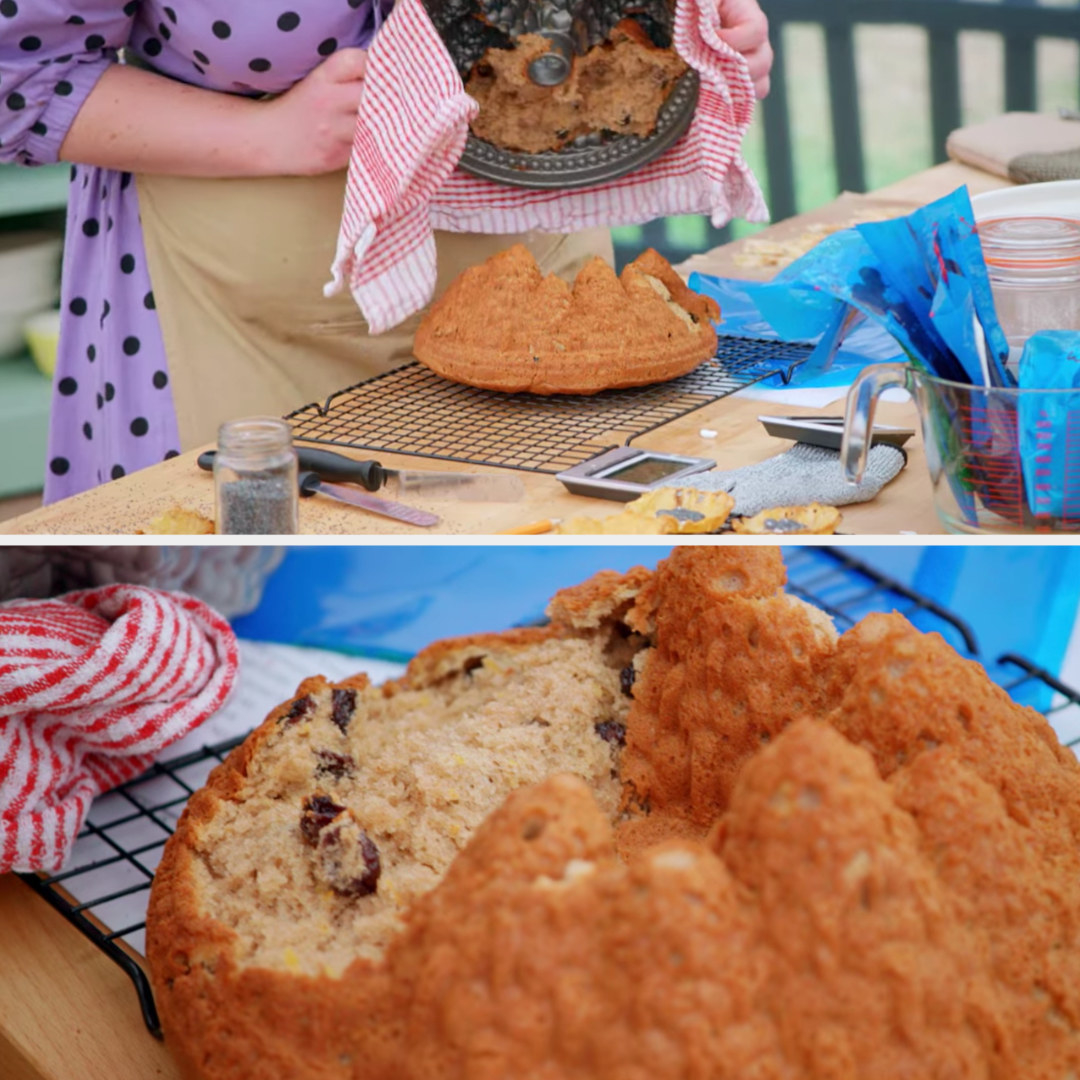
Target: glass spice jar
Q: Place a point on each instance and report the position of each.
(1034, 268)
(255, 478)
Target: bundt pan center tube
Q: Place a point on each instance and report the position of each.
(683, 830)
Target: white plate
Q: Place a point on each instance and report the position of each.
(1058, 199)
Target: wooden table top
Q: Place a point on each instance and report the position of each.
(130, 504)
(66, 1010)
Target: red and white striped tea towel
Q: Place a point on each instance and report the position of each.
(92, 686)
(411, 131)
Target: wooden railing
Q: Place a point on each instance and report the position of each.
(1020, 23)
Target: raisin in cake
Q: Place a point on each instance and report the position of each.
(683, 830)
(503, 325)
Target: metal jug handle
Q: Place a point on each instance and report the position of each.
(859, 416)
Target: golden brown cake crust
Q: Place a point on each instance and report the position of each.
(834, 860)
(503, 326)
(446, 657)
(605, 596)
(704, 704)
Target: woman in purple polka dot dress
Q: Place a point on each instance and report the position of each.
(64, 96)
(256, 91)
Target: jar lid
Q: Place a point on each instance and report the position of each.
(257, 436)
(1036, 242)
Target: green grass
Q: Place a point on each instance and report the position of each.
(894, 100)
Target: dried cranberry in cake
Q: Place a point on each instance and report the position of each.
(344, 705)
(319, 811)
(611, 731)
(300, 708)
(339, 766)
(349, 859)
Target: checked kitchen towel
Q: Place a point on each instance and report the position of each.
(93, 685)
(411, 132)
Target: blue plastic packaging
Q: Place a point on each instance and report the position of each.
(922, 278)
(1050, 423)
(934, 260)
(745, 303)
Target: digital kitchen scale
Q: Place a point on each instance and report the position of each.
(627, 472)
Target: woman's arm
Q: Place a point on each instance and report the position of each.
(49, 63)
(135, 120)
(63, 96)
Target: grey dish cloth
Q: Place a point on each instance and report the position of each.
(230, 579)
(1039, 168)
(804, 474)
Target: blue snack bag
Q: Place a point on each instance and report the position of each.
(814, 294)
(1049, 424)
(934, 259)
(845, 268)
(818, 322)
(921, 277)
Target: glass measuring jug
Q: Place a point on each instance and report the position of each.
(1034, 268)
(1000, 460)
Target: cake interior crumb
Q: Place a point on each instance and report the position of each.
(417, 770)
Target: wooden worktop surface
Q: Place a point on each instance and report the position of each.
(130, 504)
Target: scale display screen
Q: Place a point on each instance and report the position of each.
(625, 472)
(645, 471)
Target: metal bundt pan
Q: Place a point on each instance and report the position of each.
(470, 27)
(592, 159)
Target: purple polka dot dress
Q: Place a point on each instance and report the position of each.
(112, 408)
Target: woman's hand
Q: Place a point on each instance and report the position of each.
(309, 129)
(746, 29)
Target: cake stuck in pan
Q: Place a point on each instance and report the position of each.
(571, 92)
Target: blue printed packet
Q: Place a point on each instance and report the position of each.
(921, 277)
(1049, 423)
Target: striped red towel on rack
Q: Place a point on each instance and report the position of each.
(93, 685)
(411, 131)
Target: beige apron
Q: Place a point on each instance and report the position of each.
(238, 268)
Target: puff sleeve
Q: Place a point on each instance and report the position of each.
(52, 53)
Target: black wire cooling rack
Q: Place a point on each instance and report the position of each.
(411, 410)
(108, 869)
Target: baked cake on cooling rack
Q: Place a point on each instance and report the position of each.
(683, 830)
(503, 325)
